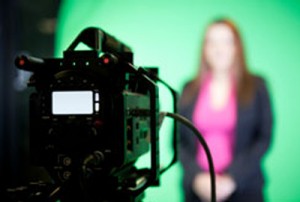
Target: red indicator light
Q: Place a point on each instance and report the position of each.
(21, 62)
(106, 61)
(98, 123)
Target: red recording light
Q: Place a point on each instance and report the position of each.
(21, 62)
(106, 61)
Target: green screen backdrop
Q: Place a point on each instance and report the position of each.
(168, 34)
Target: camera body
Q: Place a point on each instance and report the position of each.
(92, 115)
(87, 106)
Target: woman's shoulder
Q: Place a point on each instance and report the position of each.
(260, 82)
(187, 85)
(261, 86)
(188, 92)
(258, 79)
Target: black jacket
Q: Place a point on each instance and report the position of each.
(253, 133)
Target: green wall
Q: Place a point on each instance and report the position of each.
(168, 34)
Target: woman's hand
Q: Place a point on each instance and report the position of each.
(225, 186)
(202, 186)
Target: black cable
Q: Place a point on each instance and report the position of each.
(175, 134)
(189, 124)
(154, 77)
(175, 140)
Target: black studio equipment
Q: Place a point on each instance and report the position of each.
(92, 115)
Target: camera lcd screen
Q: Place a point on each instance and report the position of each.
(72, 102)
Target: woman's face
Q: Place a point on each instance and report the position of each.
(219, 48)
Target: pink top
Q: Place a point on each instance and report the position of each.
(217, 128)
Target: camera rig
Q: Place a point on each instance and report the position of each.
(92, 115)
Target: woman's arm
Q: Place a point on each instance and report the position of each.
(247, 162)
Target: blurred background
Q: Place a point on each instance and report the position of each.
(167, 34)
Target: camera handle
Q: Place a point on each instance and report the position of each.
(99, 40)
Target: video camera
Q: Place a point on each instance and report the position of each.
(92, 115)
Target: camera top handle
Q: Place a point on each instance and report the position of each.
(99, 40)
